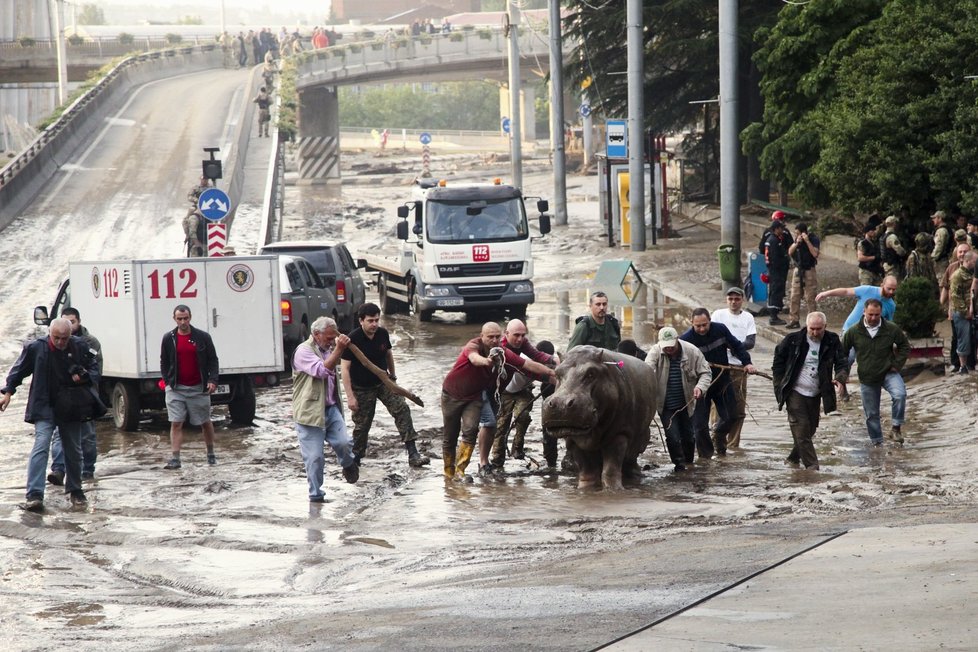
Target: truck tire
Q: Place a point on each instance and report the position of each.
(125, 405)
(242, 405)
(422, 315)
(388, 306)
(518, 312)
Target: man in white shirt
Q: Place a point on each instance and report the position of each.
(741, 324)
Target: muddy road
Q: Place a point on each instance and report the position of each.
(235, 557)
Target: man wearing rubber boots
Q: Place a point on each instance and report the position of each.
(364, 389)
(476, 370)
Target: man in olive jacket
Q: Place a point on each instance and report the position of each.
(882, 349)
(803, 367)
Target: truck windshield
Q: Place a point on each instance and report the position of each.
(476, 221)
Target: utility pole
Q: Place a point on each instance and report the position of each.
(223, 28)
(515, 124)
(557, 115)
(636, 124)
(59, 34)
(729, 143)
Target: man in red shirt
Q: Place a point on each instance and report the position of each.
(189, 366)
(475, 371)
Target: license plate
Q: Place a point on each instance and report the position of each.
(444, 303)
(223, 389)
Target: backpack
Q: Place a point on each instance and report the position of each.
(611, 320)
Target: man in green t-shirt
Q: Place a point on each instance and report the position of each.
(599, 328)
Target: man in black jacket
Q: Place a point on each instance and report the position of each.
(778, 262)
(803, 367)
(189, 366)
(61, 365)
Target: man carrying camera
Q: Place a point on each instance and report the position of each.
(63, 395)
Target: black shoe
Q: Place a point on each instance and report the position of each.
(174, 463)
(318, 499)
(212, 459)
(415, 459)
(793, 324)
(78, 497)
(88, 475)
(790, 460)
(352, 473)
(33, 504)
(57, 478)
(679, 468)
(777, 321)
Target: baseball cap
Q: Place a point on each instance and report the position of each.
(891, 220)
(960, 235)
(668, 337)
(939, 215)
(735, 290)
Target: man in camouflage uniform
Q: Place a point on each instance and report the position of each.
(892, 250)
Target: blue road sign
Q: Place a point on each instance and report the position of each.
(617, 139)
(425, 138)
(505, 124)
(214, 204)
(585, 110)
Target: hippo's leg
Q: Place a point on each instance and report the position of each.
(614, 455)
(630, 470)
(588, 468)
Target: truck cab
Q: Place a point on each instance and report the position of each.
(466, 247)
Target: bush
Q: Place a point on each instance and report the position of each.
(456, 37)
(401, 42)
(75, 39)
(355, 48)
(424, 39)
(26, 42)
(126, 38)
(377, 45)
(485, 34)
(172, 38)
(918, 309)
(338, 52)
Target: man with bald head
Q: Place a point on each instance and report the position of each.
(516, 398)
(475, 372)
(63, 367)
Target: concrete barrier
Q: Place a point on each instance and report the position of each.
(24, 177)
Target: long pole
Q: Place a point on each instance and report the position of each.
(515, 124)
(557, 115)
(636, 124)
(223, 28)
(729, 150)
(59, 32)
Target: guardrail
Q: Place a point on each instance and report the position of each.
(99, 46)
(25, 174)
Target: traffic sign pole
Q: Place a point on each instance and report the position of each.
(217, 238)
(425, 139)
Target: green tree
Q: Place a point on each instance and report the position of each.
(456, 105)
(681, 66)
(91, 14)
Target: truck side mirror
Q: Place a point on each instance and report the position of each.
(41, 316)
(361, 263)
(544, 223)
(402, 211)
(543, 206)
(402, 230)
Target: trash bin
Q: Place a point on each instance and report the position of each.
(757, 267)
(729, 258)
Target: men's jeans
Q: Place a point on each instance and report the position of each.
(962, 332)
(89, 449)
(719, 395)
(893, 384)
(679, 435)
(803, 417)
(71, 434)
(458, 417)
(312, 443)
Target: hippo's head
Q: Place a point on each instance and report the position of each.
(589, 380)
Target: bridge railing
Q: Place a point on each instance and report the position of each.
(96, 47)
(23, 176)
(336, 62)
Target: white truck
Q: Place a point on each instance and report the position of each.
(128, 305)
(468, 249)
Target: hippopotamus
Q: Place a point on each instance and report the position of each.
(603, 406)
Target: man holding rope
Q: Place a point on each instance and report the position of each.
(713, 340)
(683, 377)
(741, 324)
(363, 388)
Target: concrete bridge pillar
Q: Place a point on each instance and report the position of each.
(319, 135)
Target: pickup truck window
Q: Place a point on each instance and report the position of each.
(454, 222)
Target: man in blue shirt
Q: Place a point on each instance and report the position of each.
(883, 292)
(713, 339)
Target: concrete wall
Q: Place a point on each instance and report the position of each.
(25, 176)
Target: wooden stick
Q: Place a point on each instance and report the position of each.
(384, 378)
(736, 368)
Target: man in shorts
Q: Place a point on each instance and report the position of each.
(188, 363)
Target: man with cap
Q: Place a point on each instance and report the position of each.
(868, 256)
(804, 252)
(741, 324)
(777, 259)
(803, 368)
(892, 250)
(919, 262)
(681, 369)
(943, 243)
(972, 230)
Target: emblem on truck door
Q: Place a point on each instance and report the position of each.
(96, 283)
(480, 253)
(240, 278)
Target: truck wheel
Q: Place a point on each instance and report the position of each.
(125, 406)
(387, 305)
(242, 405)
(423, 315)
(518, 312)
